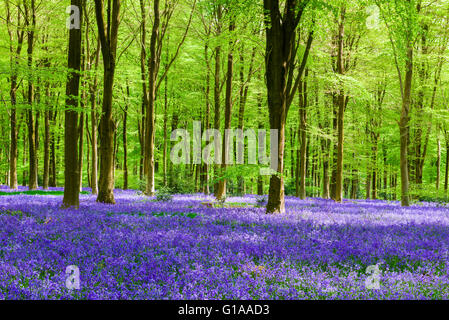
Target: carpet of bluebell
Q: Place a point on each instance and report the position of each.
(188, 249)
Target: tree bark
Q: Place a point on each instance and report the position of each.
(341, 109)
(153, 65)
(446, 174)
(71, 161)
(438, 164)
(14, 61)
(302, 135)
(404, 127)
(125, 143)
(46, 143)
(221, 191)
(31, 16)
(280, 62)
(107, 127)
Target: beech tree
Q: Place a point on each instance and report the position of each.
(281, 51)
(15, 50)
(72, 169)
(403, 33)
(108, 35)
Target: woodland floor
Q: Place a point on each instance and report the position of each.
(189, 248)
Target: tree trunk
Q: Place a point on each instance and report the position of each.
(446, 174)
(217, 92)
(107, 126)
(14, 61)
(280, 63)
(125, 143)
(302, 134)
(52, 181)
(438, 164)
(141, 123)
(32, 183)
(206, 189)
(71, 161)
(164, 151)
(46, 145)
(341, 109)
(81, 146)
(404, 127)
(221, 191)
(150, 124)
(93, 123)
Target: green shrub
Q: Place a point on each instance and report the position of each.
(164, 194)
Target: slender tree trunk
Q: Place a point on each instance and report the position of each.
(302, 134)
(125, 143)
(446, 174)
(24, 159)
(81, 146)
(46, 146)
(341, 109)
(355, 183)
(375, 175)
(404, 127)
(333, 178)
(150, 124)
(93, 123)
(206, 189)
(52, 182)
(143, 61)
(221, 191)
(438, 164)
(14, 61)
(164, 151)
(31, 16)
(217, 91)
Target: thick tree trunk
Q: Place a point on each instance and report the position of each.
(280, 63)
(71, 161)
(107, 126)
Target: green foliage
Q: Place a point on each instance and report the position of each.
(164, 194)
